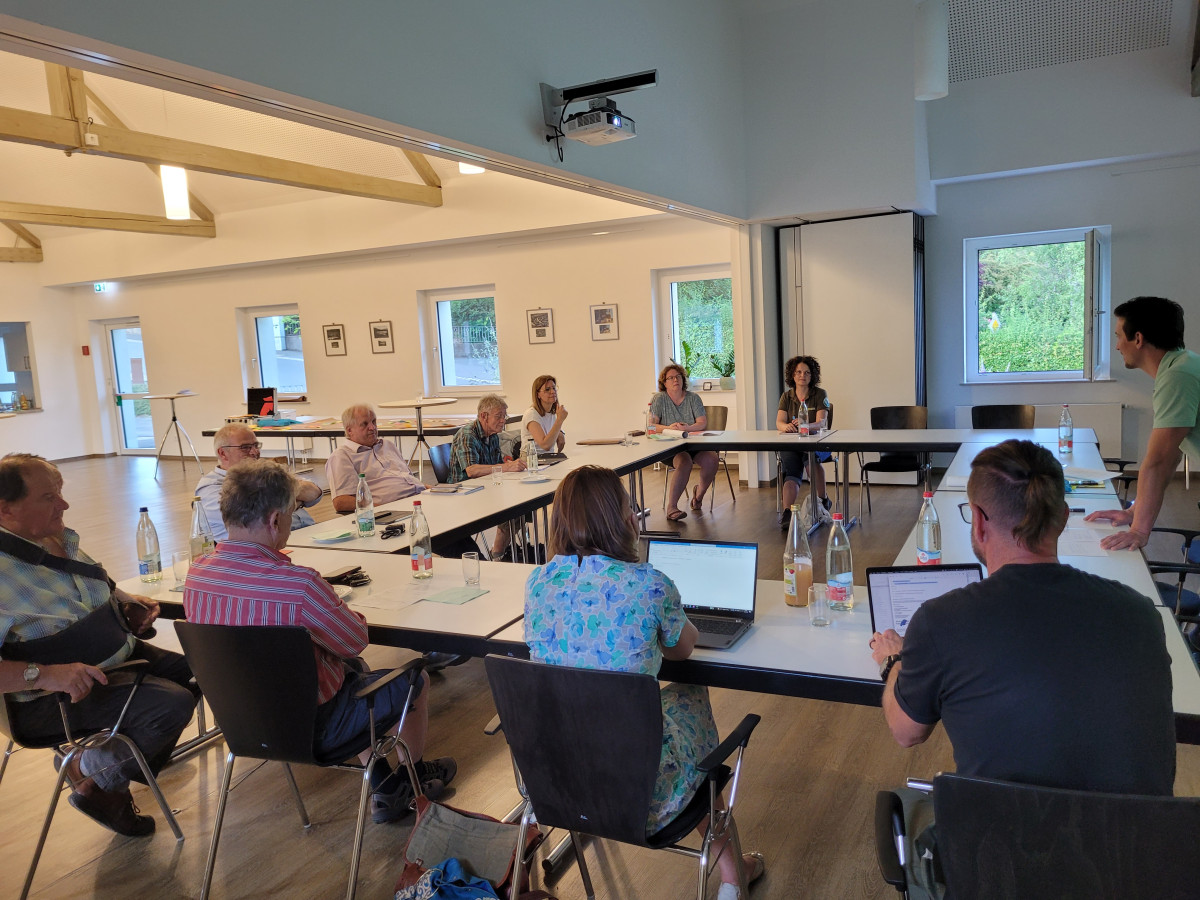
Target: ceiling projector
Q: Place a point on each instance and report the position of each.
(602, 123)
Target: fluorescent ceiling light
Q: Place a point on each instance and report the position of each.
(175, 192)
(468, 169)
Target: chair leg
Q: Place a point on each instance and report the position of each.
(226, 778)
(359, 829)
(577, 842)
(8, 751)
(37, 852)
(728, 478)
(291, 780)
(152, 783)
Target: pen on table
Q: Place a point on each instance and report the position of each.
(1077, 509)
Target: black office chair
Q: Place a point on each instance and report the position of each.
(70, 748)
(998, 839)
(261, 682)
(1125, 479)
(439, 458)
(586, 744)
(1002, 415)
(894, 417)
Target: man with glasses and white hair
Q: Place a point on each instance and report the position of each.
(364, 452)
(234, 443)
(476, 449)
(1041, 673)
(247, 581)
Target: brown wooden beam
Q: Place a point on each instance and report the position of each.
(70, 217)
(423, 168)
(23, 233)
(21, 254)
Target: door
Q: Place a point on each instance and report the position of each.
(128, 375)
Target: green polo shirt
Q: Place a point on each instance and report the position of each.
(1177, 397)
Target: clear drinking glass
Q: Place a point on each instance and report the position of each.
(470, 567)
(818, 606)
(497, 474)
(181, 561)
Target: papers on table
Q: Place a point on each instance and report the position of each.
(457, 595)
(405, 595)
(1082, 538)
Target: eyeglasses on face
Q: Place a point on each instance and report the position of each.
(245, 448)
(964, 510)
(674, 376)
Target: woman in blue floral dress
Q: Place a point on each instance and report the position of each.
(594, 606)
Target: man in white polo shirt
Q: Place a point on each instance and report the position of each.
(366, 453)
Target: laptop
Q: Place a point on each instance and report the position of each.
(895, 592)
(716, 580)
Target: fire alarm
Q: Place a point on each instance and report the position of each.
(87, 351)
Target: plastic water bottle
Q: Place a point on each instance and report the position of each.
(1066, 431)
(149, 559)
(531, 456)
(421, 544)
(929, 534)
(802, 419)
(364, 509)
(839, 567)
(797, 561)
(201, 540)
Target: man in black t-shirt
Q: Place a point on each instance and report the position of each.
(1041, 673)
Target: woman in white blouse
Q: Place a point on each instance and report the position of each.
(542, 422)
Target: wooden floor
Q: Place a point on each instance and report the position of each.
(806, 801)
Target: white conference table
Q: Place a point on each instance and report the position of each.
(1085, 456)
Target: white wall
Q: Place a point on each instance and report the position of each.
(188, 324)
(1151, 207)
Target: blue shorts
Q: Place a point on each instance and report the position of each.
(341, 718)
(793, 464)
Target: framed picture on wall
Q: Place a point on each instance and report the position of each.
(540, 323)
(381, 337)
(604, 322)
(335, 340)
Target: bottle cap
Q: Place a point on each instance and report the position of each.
(416, 503)
(928, 494)
(837, 517)
(143, 509)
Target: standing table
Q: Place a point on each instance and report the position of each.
(418, 404)
(179, 429)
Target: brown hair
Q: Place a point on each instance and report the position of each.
(662, 376)
(814, 369)
(538, 384)
(1021, 484)
(592, 516)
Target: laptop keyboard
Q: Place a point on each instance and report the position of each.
(715, 626)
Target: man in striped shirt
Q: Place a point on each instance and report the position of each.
(247, 581)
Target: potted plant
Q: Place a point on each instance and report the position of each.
(724, 364)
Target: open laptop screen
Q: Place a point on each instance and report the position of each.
(710, 575)
(895, 592)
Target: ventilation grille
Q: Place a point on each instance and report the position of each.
(996, 37)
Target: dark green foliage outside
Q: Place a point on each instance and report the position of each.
(704, 311)
(1037, 294)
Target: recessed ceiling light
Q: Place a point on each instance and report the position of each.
(468, 169)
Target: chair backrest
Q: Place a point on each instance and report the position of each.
(1002, 415)
(439, 458)
(1000, 839)
(896, 417)
(717, 416)
(261, 682)
(586, 741)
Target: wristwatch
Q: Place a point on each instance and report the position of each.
(32, 674)
(885, 669)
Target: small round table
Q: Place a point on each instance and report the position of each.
(175, 425)
(418, 404)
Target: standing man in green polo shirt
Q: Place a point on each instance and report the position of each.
(1150, 337)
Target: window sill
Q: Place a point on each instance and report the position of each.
(1035, 381)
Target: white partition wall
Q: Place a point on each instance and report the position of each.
(849, 301)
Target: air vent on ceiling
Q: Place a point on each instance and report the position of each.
(996, 37)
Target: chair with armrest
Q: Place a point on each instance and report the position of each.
(999, 839)
(1125, 479)
(893, 417)
(1002, 415)
(586, 745)
(261, 682)
(72, 746)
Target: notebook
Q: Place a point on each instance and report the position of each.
(716, 580)
(895, 592)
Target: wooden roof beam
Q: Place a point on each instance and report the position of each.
(69, 217)
(24, 126)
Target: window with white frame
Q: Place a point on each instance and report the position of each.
(273, 349)
(694, 316)
(1036, 306)
(461, 342)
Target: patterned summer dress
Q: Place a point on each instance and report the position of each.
(608, 614)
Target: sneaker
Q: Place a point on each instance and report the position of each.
(826, 502)
(435, 661)
(115, 810)
(443, 769)
(785, 517)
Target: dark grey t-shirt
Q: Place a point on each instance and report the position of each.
(1046, 675)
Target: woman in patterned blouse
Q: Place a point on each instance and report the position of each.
(594, 606)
